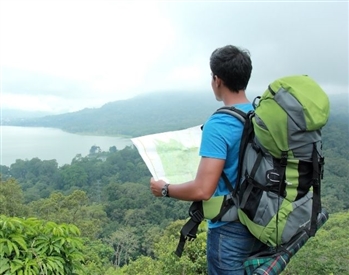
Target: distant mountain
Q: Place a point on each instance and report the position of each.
(9, 114)
(144, 114)
(147, 114)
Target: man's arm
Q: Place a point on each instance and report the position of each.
(201, 188)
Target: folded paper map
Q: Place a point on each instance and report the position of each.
(171, 156)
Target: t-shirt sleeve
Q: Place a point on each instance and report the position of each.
(213, 142)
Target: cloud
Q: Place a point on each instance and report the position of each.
(64, 55)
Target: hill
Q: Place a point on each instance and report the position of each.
(146, 114)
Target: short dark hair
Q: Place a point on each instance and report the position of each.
(233, 65)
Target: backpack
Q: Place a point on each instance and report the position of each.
(280, 165)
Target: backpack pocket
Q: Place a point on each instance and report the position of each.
(299, 218)
(277, 220)
(220, 208)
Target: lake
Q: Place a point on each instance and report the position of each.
(50, 143)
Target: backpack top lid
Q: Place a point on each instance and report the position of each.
(313, 99)
(291, 113)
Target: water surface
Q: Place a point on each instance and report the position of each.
(50, 143)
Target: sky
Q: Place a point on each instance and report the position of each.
(64, 56)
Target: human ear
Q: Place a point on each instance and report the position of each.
(218, 81)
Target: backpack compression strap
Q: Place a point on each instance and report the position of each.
(317, 176)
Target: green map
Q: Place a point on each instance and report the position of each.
(179, 163)
(171, 156)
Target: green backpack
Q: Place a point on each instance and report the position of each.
(280, 166)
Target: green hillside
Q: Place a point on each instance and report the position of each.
(146, 114)
(143, 114)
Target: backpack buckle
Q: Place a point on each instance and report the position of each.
(190, 237)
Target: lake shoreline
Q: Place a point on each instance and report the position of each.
(72, 132)
(46, 143)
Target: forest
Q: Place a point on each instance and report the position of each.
(96, 215)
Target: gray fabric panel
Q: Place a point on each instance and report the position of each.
(292, 107)
(267, 208)
(260, 122)
(300, 140)
(265, 165)
(299, 218)
(230, 215)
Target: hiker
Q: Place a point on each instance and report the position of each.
(228, 243)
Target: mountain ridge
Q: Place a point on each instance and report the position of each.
(145, 114)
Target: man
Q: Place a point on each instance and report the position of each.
(228, 243)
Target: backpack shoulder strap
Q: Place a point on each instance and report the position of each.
(245, 120)
(240, 115)
(231, 110)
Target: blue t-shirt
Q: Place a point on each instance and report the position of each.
(221, 137)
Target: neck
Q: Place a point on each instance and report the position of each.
(231, 98)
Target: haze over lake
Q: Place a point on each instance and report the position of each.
(50, 143)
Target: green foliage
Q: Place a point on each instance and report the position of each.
(73, 175)
(335, 186)
(193, 260)
(11, 198)
(39, 179)
(32, 246)
(75, 209)
(131, 206)
(98, 256)
(125, 243)
(36, 177)
(326, 253)
(4, 172)
(142, 266)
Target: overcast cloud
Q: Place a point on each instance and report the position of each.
(61, 56)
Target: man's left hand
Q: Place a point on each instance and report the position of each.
(156, 187)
